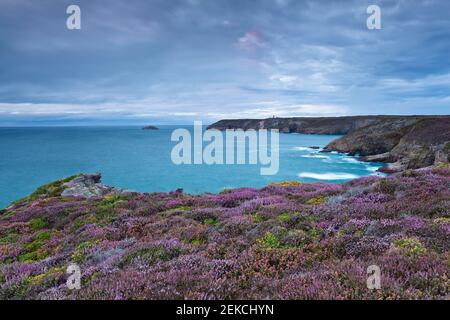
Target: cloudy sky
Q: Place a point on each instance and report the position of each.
(174, 61)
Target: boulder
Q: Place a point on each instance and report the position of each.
(85, 186)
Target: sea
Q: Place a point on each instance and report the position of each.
(140, 160)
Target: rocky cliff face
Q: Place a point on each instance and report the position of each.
(336, 125)
(408, 143)
(404, 142)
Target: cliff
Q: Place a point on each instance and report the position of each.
(408, 143)
(285, 241)
(324, 125)
(404, 142)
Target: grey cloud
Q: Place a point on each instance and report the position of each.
(187, 59)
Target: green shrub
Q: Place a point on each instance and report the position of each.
(410, 246)
(385, 186)
(182, 208)
(38, 241)
(33, 256)
(33, 250)
(11, 237)
(301, 237)
(317, 200)
(257, 218)
(38, 223)
(287, 184)
(176, 210)
(110, 201)
(84, 220)
(197, 241)
(107, 206)
(270, 241)
(46, 235)
(442, 220)
(211, 221)
(80, 253)
(284, 217)
(314, 233)
(411, 173)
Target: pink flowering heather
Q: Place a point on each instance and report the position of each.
(285, 241)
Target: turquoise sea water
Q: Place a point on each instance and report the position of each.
(139, 160)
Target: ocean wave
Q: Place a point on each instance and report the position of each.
(315, 156)
(371, 168)
(328, 176)
(339, 160)
(305, 149)
(351, 160)
(378, 174)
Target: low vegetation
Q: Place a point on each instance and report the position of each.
(286, 241)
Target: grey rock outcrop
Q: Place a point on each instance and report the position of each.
(89, 186)
(403, 144)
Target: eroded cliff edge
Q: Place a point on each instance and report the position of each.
(403, 142)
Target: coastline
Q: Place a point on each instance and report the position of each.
(241, 243)
(223, 159)
(402, 142)
(139, 160)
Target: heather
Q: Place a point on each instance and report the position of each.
(289, 240)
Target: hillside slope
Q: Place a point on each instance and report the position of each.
(285, 241)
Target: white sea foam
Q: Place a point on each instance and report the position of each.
(371, 168)
(378, 174)
(351, 160)
(328, 159)
(302, 149)
(315, 156)
(328, 176)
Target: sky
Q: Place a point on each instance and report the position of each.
(176, 61)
